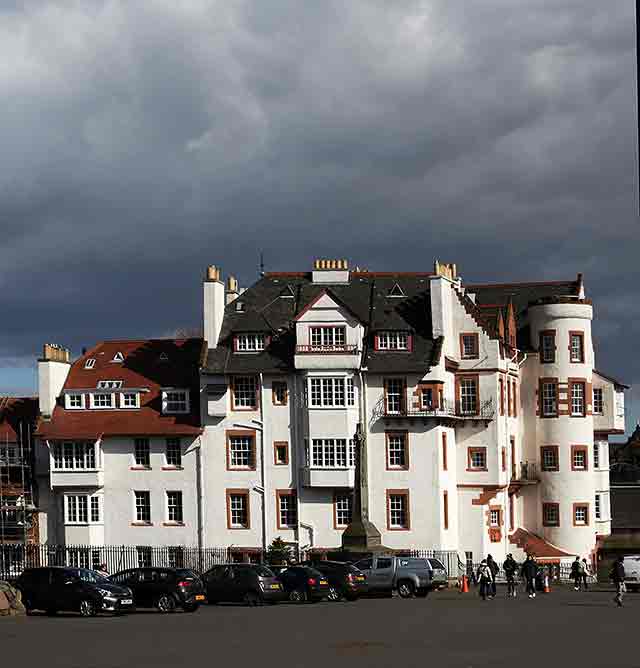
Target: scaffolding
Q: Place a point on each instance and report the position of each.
(16, 481)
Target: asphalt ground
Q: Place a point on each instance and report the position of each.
(563, 628)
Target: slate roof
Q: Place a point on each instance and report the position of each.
(491, 298)
(365, 296)
(16, 411)
(148, 364)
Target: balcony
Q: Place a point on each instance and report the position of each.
(525, 474)
(445, 410)
(77, 478)
(344, 356)
(312, 476)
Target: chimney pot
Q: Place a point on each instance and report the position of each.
(213, 273)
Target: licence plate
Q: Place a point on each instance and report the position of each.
(275, 586)
(199, 597)
(360, 578)
(323, 582)
(126, 601)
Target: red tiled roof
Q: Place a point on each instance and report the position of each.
(536, 546)
(16, 411)
(148, 364)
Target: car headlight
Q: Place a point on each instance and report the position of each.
(105, 593)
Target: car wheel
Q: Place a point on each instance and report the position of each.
(298, 596)
(190, 607)
(88, 608)
(252, 599)
(406, 589)
(334, 594)
(165, 603)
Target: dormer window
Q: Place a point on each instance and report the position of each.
(74, 401)
(129, 400)
(321, 337)
(393, 340)
(175, 401)
(396, 291)
(118, 357)
(249, 343)
(90, 363)
(101, 400)
(109, 384)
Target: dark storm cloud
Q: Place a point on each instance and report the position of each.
(143, 140)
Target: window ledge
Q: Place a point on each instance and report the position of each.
(140, 468)
(172, 468)
(76, 470)
(141, 524)
(173, 524)
(477, 470)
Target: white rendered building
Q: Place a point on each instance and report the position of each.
(119, 446)
(486, 423)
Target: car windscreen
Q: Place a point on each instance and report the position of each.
(186, 574)
(435, 563)
(87, 575)
(263, 572)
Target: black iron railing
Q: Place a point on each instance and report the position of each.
(444, 408)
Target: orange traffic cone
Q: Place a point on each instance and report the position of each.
(465, 585)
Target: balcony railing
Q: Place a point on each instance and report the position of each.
(526, 472)
(445, 409)
(344, 349)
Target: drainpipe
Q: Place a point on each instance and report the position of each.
(263, 480)
(365, 424)
(296, 407)
(199, 495)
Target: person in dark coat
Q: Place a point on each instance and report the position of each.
(510, 568)
(528, 572)
(485, 579)
(617, 574)
(576, 574)
(493, 566)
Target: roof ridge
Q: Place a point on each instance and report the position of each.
(469, 286)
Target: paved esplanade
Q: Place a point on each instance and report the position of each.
(446, 629)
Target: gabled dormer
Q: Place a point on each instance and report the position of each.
(327, 328)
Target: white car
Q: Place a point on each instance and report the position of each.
(632, 571)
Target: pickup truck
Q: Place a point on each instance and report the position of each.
(409, 576)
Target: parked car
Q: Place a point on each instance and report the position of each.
(72, 589)
(252, 583)
(409, 576)
(439, 575)
(303, 583)
(632, 571)
(345, 580)
(163, 588)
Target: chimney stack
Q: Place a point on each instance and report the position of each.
(232, 289)
(53, 369)
(213, 305)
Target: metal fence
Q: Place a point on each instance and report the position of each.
(556, 572)
(14, 558)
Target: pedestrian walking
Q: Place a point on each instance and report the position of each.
(617, 575)
(102, 570)
(510, 568)
(485, 578)
(585, 572)
(528, 572)
(576, 574)
(493, 566)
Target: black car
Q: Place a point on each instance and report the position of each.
(252, 584)
(303, 583)
(72, 589)
(163, 588)
(345, 580)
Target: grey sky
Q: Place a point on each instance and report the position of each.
(144, 140)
